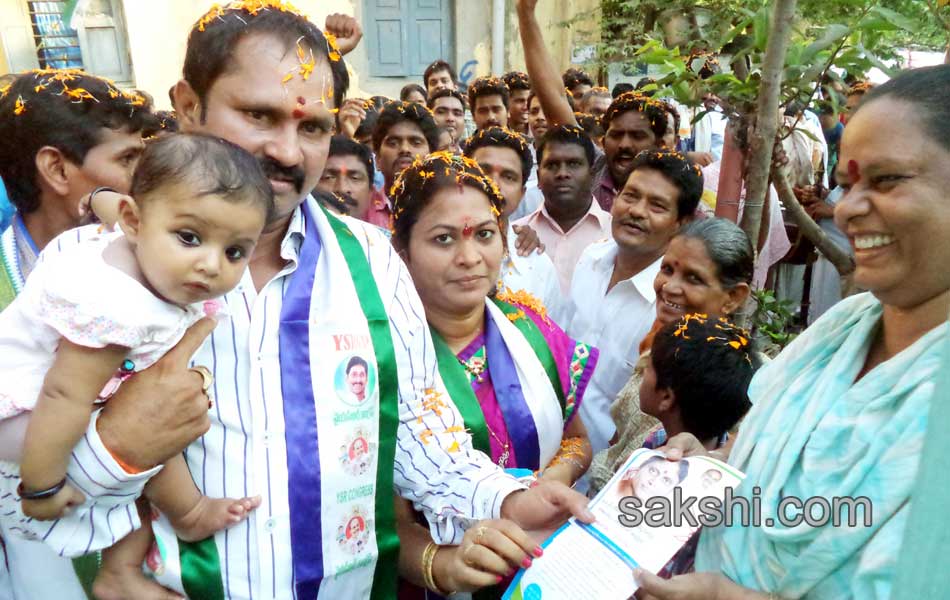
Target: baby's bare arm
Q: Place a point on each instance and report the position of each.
(62, 412)
(12, 433)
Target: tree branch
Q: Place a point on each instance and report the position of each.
(766, 122)
(793, 208)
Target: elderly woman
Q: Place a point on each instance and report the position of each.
(706, 269)
(843, 410)
(516, 378)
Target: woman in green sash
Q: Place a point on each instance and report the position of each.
(515, 376)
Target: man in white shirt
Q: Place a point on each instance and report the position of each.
(268, 81)
(505, 156)
(569, 220)
(612, 290)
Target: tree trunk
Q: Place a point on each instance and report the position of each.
(766, 119)
(838, 257)
(729, 192)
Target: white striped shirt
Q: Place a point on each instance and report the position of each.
(244, 453)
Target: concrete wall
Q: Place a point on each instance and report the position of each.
(18, 48)
(158, 31)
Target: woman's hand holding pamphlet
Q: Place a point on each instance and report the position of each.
(645, 514)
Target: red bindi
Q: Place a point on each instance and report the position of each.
(854, 172)
(467, 231)
(301, 100)
(297, 114)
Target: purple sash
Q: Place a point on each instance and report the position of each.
(510, 397)
(300, 418)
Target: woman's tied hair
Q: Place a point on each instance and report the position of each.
(651, 109)
(416, 185)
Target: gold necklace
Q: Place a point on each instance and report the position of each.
(475, 367)
(505, 448)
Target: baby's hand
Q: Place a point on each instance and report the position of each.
(103, 205)
(211, 515)
(54, 507)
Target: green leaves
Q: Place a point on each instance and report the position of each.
(833, 34)
(895, 18)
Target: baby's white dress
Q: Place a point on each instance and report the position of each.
(76, 295)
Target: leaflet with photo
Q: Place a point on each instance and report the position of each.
(632, 529)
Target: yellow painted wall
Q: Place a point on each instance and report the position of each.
(560, 40)
(13, 17)
(158, 31)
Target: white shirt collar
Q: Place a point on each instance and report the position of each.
(296, 232)
(604, 256)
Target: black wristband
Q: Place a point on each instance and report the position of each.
(42, 494)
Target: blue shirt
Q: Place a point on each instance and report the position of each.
(6, 209)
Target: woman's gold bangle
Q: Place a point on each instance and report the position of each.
(428, 557)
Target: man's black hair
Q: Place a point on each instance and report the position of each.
(410, 88)
(503, 138)
(368, 125)
(207, 164)
(708, 366)
(590, 124)
(645, 82)
(680, 171)
(397, 111)
(567, 134)
(652, 110)
(435, 67)
(340, 145)
(215, 36)
(487, 86)
(516, 80)
(621, 88)
(445, 93)
(574, 77)
(356, 361)
(36, 111)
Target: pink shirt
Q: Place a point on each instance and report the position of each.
(565, 249)
(379, 214)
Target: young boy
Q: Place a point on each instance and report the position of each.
(696, 380)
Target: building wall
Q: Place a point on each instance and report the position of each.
(17, 47)
(158, 31)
